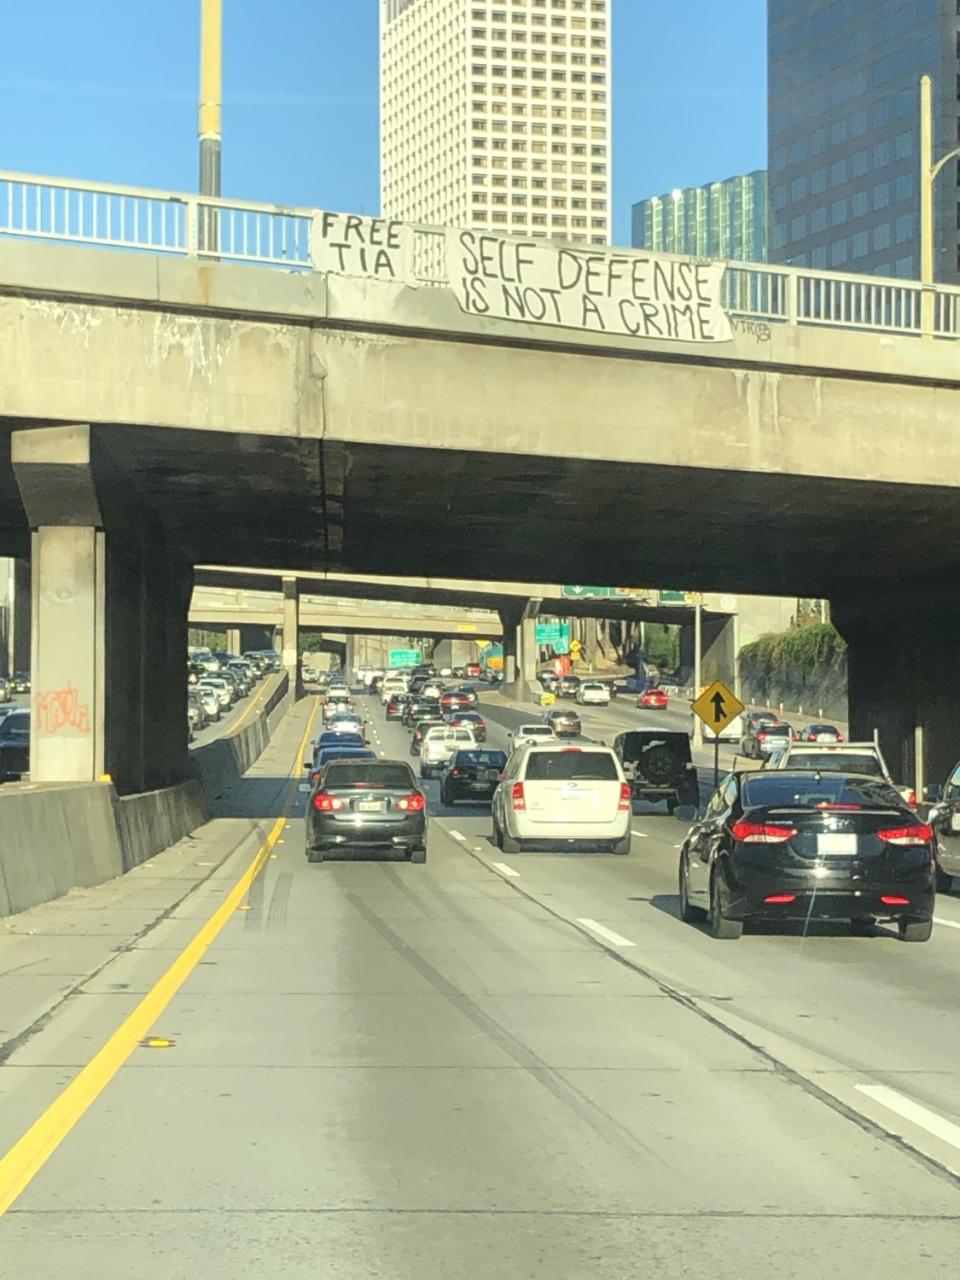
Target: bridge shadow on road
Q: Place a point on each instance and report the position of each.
(255, 797)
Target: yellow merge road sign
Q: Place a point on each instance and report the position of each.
(717, 706)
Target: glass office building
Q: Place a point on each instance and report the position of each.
(725, 220)
(844, 129)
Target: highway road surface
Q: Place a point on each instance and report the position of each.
(235, 1064)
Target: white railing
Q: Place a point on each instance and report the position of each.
(186, 225)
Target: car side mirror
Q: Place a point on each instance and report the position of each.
(686, 813)
(933, 792)
(307, 762)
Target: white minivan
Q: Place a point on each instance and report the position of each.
(391, 685)
(558, 797)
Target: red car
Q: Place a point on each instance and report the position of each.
(653, 699)
(474, 671)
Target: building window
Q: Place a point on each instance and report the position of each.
(905, 186)
(838, 213)
(881, 195)
(818, 141)
(838, 253)
(838, 173)
(905, 228)
(881, 154)
(818, 258)
(881, 236)
(861, 244)
(903, 146)
(798, 188)
(818, 181)
(818, 221)
(860, 204)
(861, 163)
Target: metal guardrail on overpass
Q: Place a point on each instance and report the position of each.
(154, 221)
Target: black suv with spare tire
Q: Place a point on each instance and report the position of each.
(658, 767)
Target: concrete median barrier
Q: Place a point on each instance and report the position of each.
(230, 756)
(154, 820)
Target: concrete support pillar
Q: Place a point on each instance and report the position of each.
(290, 642)
(233, 640)
(110, 601)
(20, 638)
(719, 659)
(520, 651)
(590, 645)
(350, 657)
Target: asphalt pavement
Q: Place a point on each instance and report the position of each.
(490, 1066)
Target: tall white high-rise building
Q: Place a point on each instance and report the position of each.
(495, 114)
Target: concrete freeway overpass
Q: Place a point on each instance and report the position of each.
(309, 419)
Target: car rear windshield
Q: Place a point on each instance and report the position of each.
(571, 766)
(776, 730)
(593, 687)
(486, 759)
(373, 773)
(838, 762)
(808, 790)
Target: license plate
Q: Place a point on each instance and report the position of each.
(370, 806)
(492, 775)
(479, 786)
(836, 845)
(575, 793)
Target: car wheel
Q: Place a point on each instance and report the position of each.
(862, 926)
(915, 930)
(689, 914)
(671, 807)
(508, 844)
(445, 796)
(314, 855)
(424, 772)
(622, 846)
(721, 926)
(418, 855)
(944, 882)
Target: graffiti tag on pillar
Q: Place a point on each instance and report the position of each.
(62, 709)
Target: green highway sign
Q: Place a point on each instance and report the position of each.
(404, 658)
(673, 597)
(587, 593)
(556, 634)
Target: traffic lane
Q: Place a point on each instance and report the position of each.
(869, 1005)
(873, 1006)
(382, 1062)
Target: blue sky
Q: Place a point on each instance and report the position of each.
(112, 97)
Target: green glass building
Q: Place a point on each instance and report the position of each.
(726, 220)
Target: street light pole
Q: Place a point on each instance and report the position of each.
(697, 659)
(929, 172)
(210, 128)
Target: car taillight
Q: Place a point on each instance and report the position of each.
(920, 834)
(456, 773)
(517, 797)
(894, 900)
(761, 737)
(780, 897)
(625, 798)
(413, 803)
(761, 833)
(912, 799)
(326, 803)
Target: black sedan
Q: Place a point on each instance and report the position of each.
(419, 708)
(365, 805)
(395, 705)
(803, 845)
(472, 775)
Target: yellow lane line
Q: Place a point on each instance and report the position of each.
(27, 1157)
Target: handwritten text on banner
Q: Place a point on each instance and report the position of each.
(635, 295)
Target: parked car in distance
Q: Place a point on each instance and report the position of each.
(440, 742)
(359, 805)
(821, 733)
(805, 845)
(564, 723)
(653, 700)
(474, 670)
(658, 766)
(560, 796)
(593, 693)
(470, 720)
(567, 686)
(472, 775)
(765, 739)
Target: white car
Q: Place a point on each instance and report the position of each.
(441, 743)
(346, 722)
(391, 685)
(562, 796)
(222, 688)
(842, 757)
(594, 693)
(529, 735)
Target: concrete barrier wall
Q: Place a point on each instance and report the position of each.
(154, 820)
(56, 838)
(227, 758)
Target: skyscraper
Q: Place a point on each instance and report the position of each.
(725, 220)
(495, 114)
(844, 132)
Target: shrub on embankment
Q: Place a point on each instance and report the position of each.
(805, 667)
